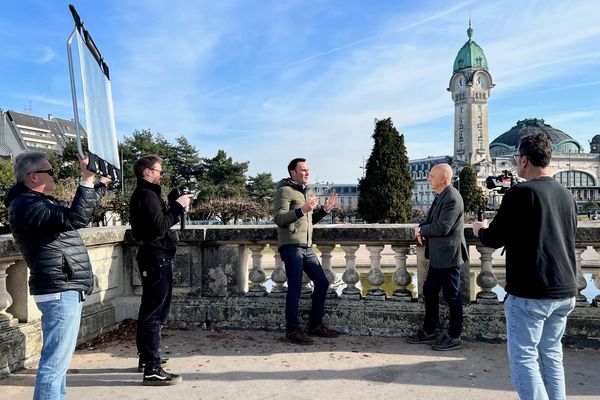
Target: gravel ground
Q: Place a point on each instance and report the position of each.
(262, 365)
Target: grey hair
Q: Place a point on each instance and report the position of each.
(27, 162)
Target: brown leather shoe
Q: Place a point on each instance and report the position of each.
(298, 337)
(322, 331)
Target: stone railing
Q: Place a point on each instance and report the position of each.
(230, 276)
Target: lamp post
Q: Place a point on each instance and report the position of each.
(122, 174)
(569, 172)
(363, 167)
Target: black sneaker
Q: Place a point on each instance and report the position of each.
(422, 338)
(142, 363)
(160, 377)
(447, 343)
(298, 337)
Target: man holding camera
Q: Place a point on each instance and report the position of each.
(536, 224)
(46, 232)
(151, 222)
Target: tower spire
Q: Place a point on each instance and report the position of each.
(470, 30)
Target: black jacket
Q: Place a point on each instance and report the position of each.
(536, 224)
(151, 221)
(45, 231)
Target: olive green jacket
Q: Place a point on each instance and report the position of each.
(293, 227)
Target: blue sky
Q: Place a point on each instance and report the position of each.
(270, 80)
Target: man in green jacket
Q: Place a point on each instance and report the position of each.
(296, 209)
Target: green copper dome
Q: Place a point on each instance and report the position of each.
(470, 55)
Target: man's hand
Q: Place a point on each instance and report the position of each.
(310, 204)
(184, 200)
(87, 176)
(477, 225)
(105, 180)
(331, 202)
(418, 235)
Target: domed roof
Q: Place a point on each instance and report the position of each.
(470, 55)
(595, 139)
(509, 140)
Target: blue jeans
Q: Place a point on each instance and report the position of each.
(297, 260)
(534, 328)
(157, 286)
(448, 280)
(60, 326)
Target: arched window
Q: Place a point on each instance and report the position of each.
(575, 179)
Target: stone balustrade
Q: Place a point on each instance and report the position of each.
(232, 276)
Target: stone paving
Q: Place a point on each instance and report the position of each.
(262, 365)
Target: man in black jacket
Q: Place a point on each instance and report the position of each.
(536, 224)
(45, 231)
(151, 223)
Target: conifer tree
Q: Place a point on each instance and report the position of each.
(472, 194)
(385, 190)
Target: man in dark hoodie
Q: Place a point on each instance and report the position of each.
(536, 224)
(151, 223)
(296, 210)
(45, 231)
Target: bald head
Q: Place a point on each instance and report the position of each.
(440, 177)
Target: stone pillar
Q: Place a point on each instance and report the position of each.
(257, 275)
(375, 276)
(279, 278)
(486, 279)
(401, 276)
(596, 301)
(351, 276)
(422, 268)
(326, 250)
(581, 300)
(6, 299)
(307, 287)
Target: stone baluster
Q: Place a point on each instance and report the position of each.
(350, 276)
(326, 256)
(375, 276)
(581, 300)
(279, 278)
(257, 275)
(422, 269)
(596, 301)
(307, 287)
(401, 276)
(486, 279)
(6, 299)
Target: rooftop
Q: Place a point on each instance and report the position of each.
(470, 55)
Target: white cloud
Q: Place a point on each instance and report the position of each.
(48, 54)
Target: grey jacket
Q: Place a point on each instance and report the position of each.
(294, 228)
(443, 229)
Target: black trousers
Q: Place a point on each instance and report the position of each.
(447, 279)
(157, 285)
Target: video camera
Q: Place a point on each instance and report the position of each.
(502, 182)
(183, 175)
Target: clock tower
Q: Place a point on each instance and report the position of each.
(470, 87)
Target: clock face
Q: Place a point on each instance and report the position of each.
(460, 84)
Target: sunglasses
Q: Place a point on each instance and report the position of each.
(160, 171)
(43, 171)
